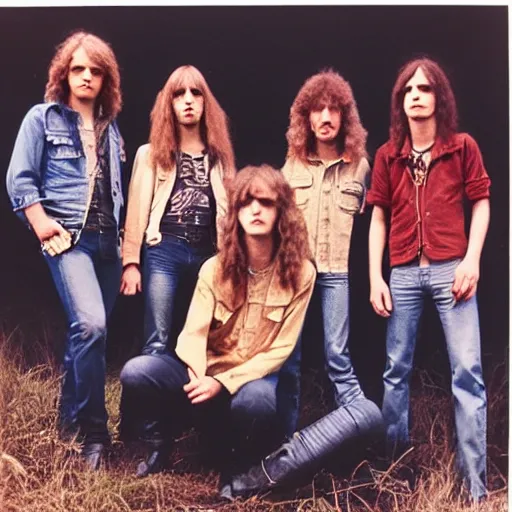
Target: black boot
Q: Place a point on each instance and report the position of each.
(93, 454)
(309, 447)
(156, 461)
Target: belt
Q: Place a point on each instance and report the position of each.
(194, 235)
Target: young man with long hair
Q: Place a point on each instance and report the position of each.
(176, 201)
(420, 179)
(64, 180)
(244, 320)
(327, 169)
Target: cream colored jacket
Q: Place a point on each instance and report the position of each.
(213, 317)
(329, 195)
(148, 194)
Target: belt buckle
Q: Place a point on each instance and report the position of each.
(193, 235)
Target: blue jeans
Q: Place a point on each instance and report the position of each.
(409, 285)
(153, 397)
(333, 292)
(170, 270)
(87, 279)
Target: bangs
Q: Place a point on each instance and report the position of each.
(189, 78)
(256, 187)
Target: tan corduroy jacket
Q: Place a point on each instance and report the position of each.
(212, 317)
(329, 207)
(148, 194)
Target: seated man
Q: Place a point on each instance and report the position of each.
(244, 320)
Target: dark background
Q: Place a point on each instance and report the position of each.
(255, 60)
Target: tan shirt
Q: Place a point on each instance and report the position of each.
(329, 195)
(240, 342)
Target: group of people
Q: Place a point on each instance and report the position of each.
(228, 261)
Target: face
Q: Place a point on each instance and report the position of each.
(419, 98)
(325, 122)
(258, 214)
(188, 105)
(85, 78)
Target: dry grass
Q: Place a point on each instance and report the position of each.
(38, 472)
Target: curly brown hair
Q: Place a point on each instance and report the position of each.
(164, 135)
(109, 101)
(446, 108)
(291, 239)
(325, 88)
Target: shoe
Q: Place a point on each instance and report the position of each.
(92, 454)
(155, 463)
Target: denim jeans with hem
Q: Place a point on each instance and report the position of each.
(409, 285)
(332, 290)
(153, 397)
(170, 269)
(87, 279)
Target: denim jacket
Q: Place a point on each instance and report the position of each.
(48, 165)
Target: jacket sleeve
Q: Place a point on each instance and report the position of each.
(140, 196)
(380, 189)
(193, 340)
(273, 357)
(476, 180)
(24, 176)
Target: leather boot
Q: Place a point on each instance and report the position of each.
(309, 447)
(92, 453)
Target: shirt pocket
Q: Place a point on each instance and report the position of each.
(221, 313)
(350, 197)
(61, 147)
(301, 189)
(275, 313)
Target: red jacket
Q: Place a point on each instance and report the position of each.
(429, 217)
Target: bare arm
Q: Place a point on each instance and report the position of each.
(468, 271)
(380, 296)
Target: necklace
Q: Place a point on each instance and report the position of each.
(418, 166)
(253, 272)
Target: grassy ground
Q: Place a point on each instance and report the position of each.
(38, 472)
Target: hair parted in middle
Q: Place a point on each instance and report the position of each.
(446, 108)
(325, 88)
(164, 134)
(290, 233)
(109, 101)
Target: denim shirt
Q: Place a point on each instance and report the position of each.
(48, 165)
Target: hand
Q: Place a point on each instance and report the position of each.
(201, 389)
(380, 298)
(466, 278)
(47, 228)
(131, 281)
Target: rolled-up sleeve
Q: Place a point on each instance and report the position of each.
(476, 180)
(23, 178)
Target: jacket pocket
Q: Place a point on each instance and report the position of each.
(61, 147)
(350, 197)
(301, 190)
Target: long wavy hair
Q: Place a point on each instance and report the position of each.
(109, 101)
(164, 134)
(325, 88)
(446, 108)
(291, 243)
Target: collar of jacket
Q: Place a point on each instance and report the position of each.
(276, 295)
(313, 159)
(440, 147)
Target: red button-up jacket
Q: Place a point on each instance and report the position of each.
(428, 218)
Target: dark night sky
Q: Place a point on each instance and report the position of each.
(255, 60)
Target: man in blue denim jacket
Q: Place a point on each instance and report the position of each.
(64, 180)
